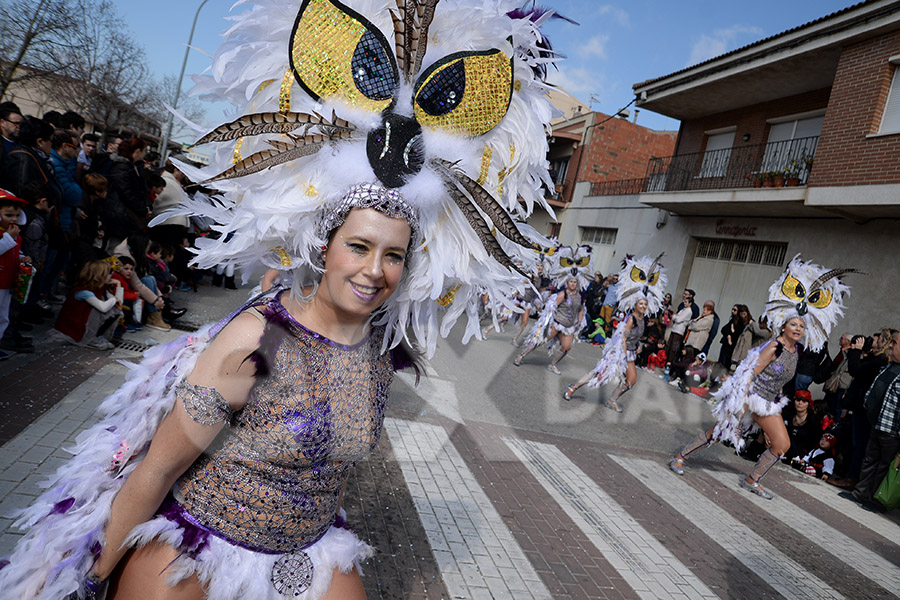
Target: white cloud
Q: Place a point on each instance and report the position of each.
(583, 83)
(594, 48)
(616, 13)
(719, 42)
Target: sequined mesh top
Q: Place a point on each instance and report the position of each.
(769, 382)
(568, 310)
(633, 337)
(273, 484)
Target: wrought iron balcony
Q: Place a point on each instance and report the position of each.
(761, 165)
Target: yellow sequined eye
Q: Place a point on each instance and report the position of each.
(637, 275)
(819, 298)
(583, 261)
(654, 278)
(793, 289)
(337, 53)
(566, 262)
(549, 251)
(466, 93)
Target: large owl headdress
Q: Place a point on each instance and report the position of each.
(642, 278)
(571, 261)
(451, 114)
(813, 293)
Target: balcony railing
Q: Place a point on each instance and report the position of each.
(773, 164)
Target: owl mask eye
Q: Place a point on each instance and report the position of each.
(819, 298)
(793, 289)
(566, 262)
(466, 93)
(583, 261)
(637, 275)
(336, 52)
(653, 278)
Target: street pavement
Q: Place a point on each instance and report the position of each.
(487, 484)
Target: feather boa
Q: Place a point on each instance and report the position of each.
(65, 524)
(613, 362)
(541, 328)
(736, 404)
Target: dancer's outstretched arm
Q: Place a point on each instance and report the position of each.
(180, 439)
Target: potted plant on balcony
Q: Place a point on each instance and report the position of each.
(792, 173)
(756, 178)
(775, 179)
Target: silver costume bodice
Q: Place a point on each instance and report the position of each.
(769, 382)
(568, 310)
(633, 337)
(316, 410)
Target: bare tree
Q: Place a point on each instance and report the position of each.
(31, 34)
(189, 107)
(109, 83)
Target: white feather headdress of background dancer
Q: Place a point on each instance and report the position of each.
(571, 261)
(452, 114)
(813, 293)
(642, 278)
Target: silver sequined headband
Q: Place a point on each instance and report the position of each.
(369, 195)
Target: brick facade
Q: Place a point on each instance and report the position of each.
(749, 120)
(846, 156)
(620, 149)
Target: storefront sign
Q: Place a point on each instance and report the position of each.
(723, 228)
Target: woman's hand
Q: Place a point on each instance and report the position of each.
(159, 304)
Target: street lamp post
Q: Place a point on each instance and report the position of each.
(164, 151)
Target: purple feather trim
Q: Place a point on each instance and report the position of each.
(194, 539)
(62, 507)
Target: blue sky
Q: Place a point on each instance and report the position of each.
(616, 44)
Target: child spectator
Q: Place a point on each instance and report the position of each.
(35, 239)
(123, 269)
(156, 184)
(820, 462)
(157, 267)
(657, 358)
(90, 313)
(10, 255)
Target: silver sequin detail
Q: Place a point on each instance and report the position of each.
(205, 405)
(292, 574)
(368, 195)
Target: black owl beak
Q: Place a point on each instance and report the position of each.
(646, 289)
(395, 150)
(801, 308)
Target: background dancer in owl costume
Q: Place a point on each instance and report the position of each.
(391, 165)
(804, 304)
(530, 300)
(642, 286)
(563, 315)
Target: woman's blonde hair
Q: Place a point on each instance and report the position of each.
(885, 336)
(94, 274)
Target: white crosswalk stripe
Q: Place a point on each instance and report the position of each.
(644, 563)
(474, 550)
(785, 575)
(828, 495)
(866, 562)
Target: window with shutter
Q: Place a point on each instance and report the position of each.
(890, 122)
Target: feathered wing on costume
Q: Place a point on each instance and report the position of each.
(541, 328)
(443, 101)
(640, 279)
(813, 293)
(733, 420)
(66, 523)
(612, 364)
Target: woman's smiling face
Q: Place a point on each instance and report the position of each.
(364, 262)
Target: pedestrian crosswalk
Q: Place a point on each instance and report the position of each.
(732, 526)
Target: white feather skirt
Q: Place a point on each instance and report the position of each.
(230, 572)
(736, 404)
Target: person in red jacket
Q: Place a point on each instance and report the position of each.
(10, 248)
(90, 313)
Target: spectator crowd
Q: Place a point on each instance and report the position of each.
(75, 242)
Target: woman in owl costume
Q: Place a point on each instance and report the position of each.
(804, 305)
(642, 287)
(563, 315)
(382, 179)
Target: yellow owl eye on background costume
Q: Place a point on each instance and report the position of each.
(820, 298)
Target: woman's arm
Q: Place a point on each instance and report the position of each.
(766, 356)
(180, 439)
(560, 297)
